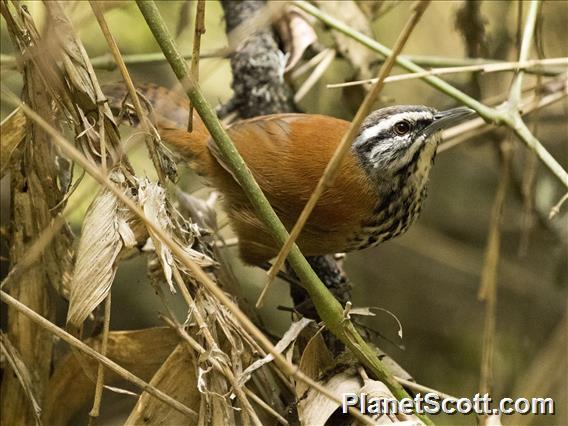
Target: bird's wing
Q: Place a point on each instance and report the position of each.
(287, 154)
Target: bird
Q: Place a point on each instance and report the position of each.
(378, 192)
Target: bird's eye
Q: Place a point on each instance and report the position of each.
(402, 128)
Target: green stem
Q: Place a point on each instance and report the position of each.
(328, 308)
(106, 61)
(513, 117)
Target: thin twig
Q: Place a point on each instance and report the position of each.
(265, 406)
(102, 138)
(528, 188)
(476, 127)
(106, 61)
(150, 141)
(556, 208)
(332, 168)
(424, 389)
(79, 345)
(318, 72)
(484, 68)
(95, 411)
(488, 285)
(529, 174)
(305, 67)
(512, 116)
(199, 31)
(530, 24)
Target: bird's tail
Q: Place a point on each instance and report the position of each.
(169, 110)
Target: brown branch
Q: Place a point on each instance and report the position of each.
(199, 31)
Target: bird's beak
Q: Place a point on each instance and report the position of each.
(448, 118)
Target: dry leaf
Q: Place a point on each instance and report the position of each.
(289, 337)
(99, 247)
(315, 359)
(141, 352)
(152, 199)
(201, 211)
(316, 409)
(176, 377)
(376, 389)
(348, 12)
(493, 420)
(297, 34)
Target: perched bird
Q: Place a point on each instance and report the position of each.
(376, 196)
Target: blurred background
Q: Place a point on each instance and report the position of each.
(429, 278)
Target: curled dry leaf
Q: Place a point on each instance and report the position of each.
(104, 234)
(120, 391)
(289, 337)
(368, 311)
(316, 409)
(152, 199)
(315, 359)
(201, 211)
(297, 33)
(375, 389)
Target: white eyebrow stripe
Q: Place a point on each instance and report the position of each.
(389, 122)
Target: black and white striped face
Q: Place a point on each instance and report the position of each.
(390, 138)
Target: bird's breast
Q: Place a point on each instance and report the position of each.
(393, 215)
(399, 203)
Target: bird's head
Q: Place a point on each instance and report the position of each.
(391, 138)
